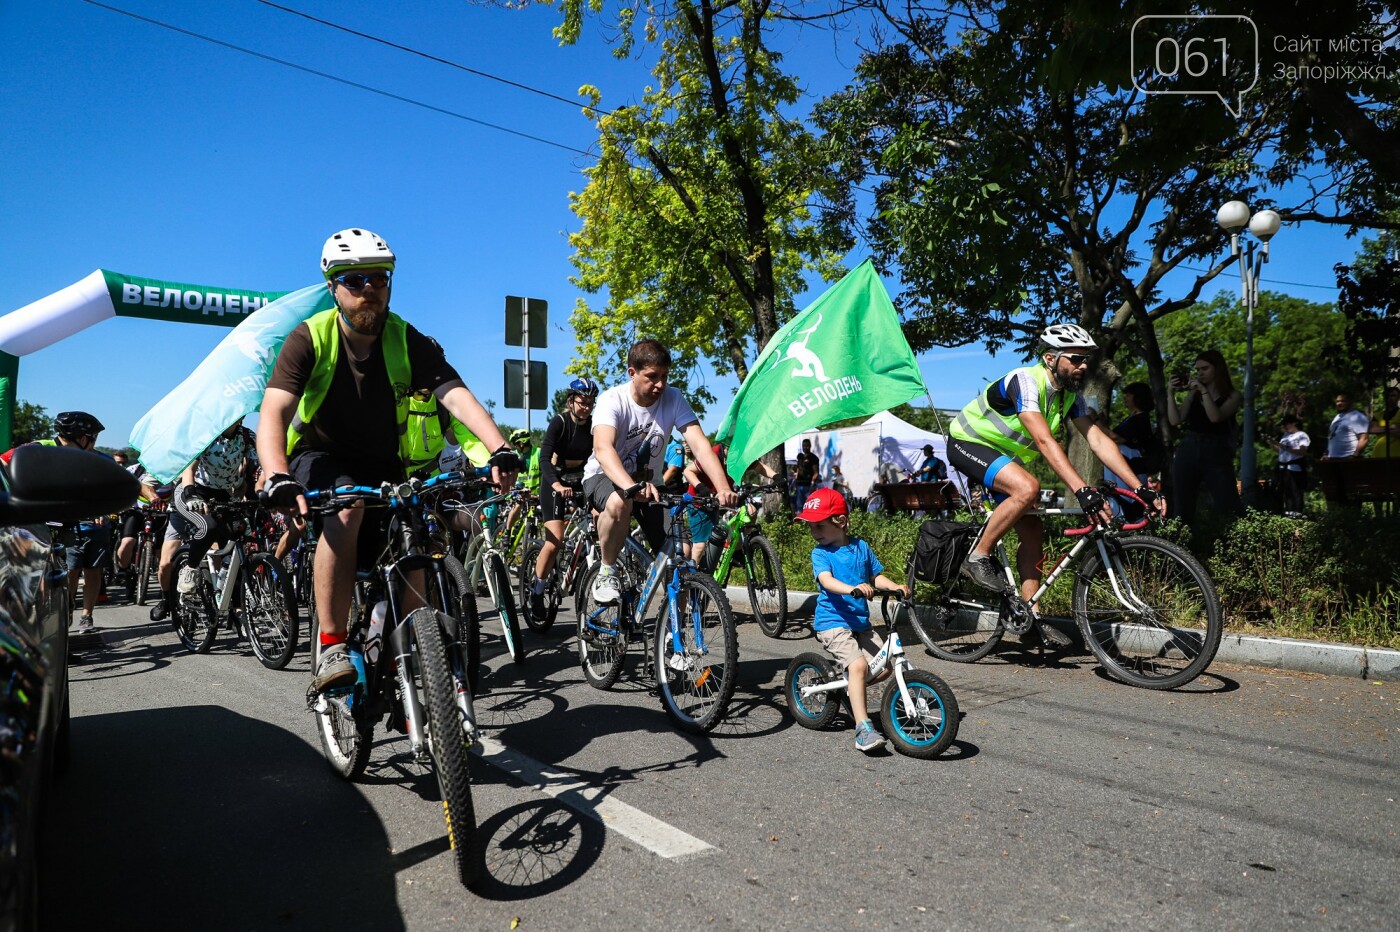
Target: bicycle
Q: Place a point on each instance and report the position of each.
(241, 588)
(413, 670)
(763, 570)
(691, 646)
(523, 531)
(577, 550)
(1145, 607)
(484, 564)
(146, 563)
(918, 709)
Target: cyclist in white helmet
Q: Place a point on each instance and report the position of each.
(336, 413)
(1010, 424)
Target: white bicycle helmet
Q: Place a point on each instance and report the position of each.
(351, 248)
(1067, 336)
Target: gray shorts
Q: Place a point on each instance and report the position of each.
(846, 645)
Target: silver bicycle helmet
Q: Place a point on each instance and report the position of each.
(355, 249)
(1067, 336)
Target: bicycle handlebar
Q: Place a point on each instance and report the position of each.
(1127, 526)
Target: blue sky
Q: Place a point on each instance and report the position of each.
(136, 149)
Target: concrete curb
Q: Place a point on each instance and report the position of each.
(1370, 663)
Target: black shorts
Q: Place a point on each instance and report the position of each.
(650, 518)
(977, 461)
(132, 524)
(320, 469)
(552, 503)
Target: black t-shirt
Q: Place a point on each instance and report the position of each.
(564, 442)
(807, 467)
(357, 418)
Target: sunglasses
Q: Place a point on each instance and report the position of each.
(1076, 359)
(356, 281)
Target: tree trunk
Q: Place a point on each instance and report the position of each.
(1097, 392)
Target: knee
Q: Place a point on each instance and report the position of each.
(858, 668)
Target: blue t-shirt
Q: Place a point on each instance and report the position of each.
(674, 455)
(853, 564)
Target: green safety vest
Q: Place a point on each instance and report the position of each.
(532, 472)
(325, 341)
(979, 422)
(425, 438)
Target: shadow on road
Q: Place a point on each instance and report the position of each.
(535, 848)
(198, 817)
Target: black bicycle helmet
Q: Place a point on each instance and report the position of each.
(70, 424)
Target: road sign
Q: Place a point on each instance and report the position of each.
(516, 388)
(521, 325)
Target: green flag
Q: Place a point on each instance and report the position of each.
(844, 356)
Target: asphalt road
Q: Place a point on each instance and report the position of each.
(198, 798)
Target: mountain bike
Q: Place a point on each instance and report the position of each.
(918, 709)
(146, 563)
(763, 570)
(577, 549)
(1145, 607)
(242, 589)
(485, 566)
(522, 532)
(690, 643)
(412, 667)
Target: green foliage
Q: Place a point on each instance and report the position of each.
(31, 423)
(696, 215)
(1295, 575)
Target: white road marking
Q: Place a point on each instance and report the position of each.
(651, 833)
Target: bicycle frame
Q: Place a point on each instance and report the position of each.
(891, 654)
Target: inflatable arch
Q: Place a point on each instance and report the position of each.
(226, 386)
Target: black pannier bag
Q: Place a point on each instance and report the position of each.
(940, 550)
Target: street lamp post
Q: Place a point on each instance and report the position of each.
(1233, 217)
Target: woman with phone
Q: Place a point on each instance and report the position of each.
(1205, 457)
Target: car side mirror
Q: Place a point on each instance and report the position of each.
(64, 484)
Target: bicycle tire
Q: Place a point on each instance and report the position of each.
(1177, 641)
(601, 656)
(697, 695)
(463, 605)
(345, 742)
(527, 584)
(447, 744)
(144, 570)
(934, 724)
(270, 611)
(193, 616)
(819, 709)
(767, 588)
(505, 606)
(949, 631)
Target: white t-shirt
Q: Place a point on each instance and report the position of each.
(1294, 446)
(641, 431)
(1345, 433)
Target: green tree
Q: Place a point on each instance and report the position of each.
(31, 423)
(1020, 178)
(697, 216)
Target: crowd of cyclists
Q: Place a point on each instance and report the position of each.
(358, 396)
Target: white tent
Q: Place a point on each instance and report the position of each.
(884, 445)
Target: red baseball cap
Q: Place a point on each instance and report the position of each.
(822, 504)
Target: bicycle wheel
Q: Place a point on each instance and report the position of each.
(600, 653)
(767, 588)
(697, 682)
(193, 616)
(462, 604)
(1169, 629)
(447, 743)
(505, 605)
(543, 622)
(144, 571)
(951, 625)
(817, 710)
(927, 729)
(270, 611)
(345, 741)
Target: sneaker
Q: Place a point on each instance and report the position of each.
(85, 625)
(160, 611)
(1051, 636)
(188, 583)
(868, 739)
(605, 587)
(983, 571)
(334, 668)
(537, 606)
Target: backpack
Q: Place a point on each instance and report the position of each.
(940, 550)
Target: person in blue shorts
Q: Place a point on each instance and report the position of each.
(848, 575)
